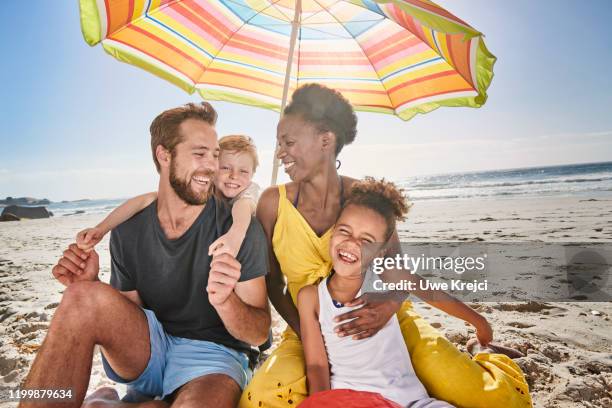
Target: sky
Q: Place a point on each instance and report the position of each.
(74, 121)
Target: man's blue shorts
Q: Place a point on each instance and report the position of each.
(175, 361)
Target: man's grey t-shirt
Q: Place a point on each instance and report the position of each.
(171, 275)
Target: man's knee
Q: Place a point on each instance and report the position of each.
(85, 299)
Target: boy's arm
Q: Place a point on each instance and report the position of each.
(317, 365)
(242, 210)
(89, 237)
(230, 242)
(125, 211)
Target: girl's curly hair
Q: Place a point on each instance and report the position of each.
(383, 197)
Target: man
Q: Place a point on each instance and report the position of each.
(172, 324)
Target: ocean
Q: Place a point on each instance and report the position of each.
(589, 180)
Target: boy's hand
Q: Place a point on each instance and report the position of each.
(89, 237)
(484, 332)
(226, 244)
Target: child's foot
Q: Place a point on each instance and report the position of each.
(474, 347)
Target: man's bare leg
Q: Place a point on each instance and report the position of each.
(209, 391)
(90, 313)
(107, 397)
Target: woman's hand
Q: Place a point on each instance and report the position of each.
(368, 319)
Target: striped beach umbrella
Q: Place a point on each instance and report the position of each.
(399, 57)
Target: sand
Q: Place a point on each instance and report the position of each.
(568, 348)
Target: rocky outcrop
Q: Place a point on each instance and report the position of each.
(24, 201)
(9, 217)
(26, 212)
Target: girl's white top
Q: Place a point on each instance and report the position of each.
(380, 363)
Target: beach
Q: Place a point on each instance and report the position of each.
(568, 348)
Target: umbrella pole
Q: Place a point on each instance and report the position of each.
(295, 25)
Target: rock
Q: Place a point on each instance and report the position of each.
(597, 367)
(596, 313)
(75, 213)
(553, 353)
(456, 336)
(9, 217)
(26, 212)
(24, 201)
(586, 389)
(537, 370)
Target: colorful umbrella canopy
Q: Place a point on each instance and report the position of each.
(400, 57)
(394, 56)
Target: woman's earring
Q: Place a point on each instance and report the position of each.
(338, 164)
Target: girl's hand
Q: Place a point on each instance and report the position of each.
(226, 244)
(368, 319)
(89, 237)
(484, 332)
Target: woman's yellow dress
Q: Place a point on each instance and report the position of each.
(486, 380)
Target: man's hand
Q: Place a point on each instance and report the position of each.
(222, 278)
(368, 319)
(76, 265)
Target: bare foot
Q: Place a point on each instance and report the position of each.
(101, 397)
(474, 347)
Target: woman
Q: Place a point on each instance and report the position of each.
(297, 219)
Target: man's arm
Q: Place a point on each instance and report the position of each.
(242, 306)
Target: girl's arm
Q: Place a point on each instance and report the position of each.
(383, 306)
(317, 365)
(89, 237)
(267, 209)
(438, 298)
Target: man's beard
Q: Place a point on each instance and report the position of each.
(184, 191)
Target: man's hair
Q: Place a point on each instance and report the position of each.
(382, 197)
(240, 144)
(164, 128)
(326, 109)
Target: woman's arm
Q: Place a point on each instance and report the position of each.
(317, 365)
(89, 237)
(267, 209)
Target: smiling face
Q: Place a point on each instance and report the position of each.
(235, 172)
(302, 149)
(194, 162)
(357, 226)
